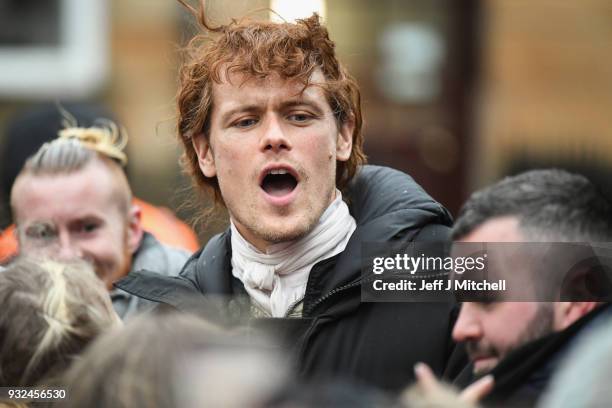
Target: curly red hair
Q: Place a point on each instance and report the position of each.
(257, 49)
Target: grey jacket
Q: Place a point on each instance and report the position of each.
(154, 257)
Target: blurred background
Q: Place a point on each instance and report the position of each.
(456, 93)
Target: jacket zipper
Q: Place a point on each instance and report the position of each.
(292, 306)
(323, 299)
(335, 291)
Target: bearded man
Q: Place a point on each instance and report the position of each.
(521, 338)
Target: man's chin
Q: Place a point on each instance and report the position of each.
(112, 276)
(276, 230)
(106, 278)
(278, 236)
(483, 366)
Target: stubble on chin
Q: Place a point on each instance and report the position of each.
(285, 226)
(276, 232)
(539, 326)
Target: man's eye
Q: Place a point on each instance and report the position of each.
(40, 232)
(88, 227)
(245, 123)
(299, 117)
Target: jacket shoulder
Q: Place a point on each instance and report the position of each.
(376, 191)
(159, 258)
(210, 268)
(182, 290)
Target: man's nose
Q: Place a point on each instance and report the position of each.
(68, 248)
(467, 327)
(275, 136)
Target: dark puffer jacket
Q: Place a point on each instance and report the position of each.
(338, 335)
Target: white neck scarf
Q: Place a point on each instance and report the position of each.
(275, 280)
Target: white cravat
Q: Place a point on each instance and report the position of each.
(276, 279)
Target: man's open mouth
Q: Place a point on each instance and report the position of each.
(279, 182)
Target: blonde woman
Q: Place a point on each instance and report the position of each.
(49, 312)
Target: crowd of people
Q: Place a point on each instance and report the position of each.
(270, 312)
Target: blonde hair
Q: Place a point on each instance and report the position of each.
(107, 139)
(76, 147)
(50, 312)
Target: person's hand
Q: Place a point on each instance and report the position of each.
(470, 395)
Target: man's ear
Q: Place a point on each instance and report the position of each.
(344, 143)
(206, 158)
(566, 313)
(134, 230)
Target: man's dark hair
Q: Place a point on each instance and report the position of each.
(550, 204)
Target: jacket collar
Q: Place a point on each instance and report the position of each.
(525, 372)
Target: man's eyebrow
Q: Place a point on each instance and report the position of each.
(302, 102)
(86, 218)
(38, 224)
(239, 109)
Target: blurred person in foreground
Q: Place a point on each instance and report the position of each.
(50, 312)
(27, 131)
(174, 360)
(72, 200)
(428, 392)
(271, 125)
(583, 379)
(520, 343)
